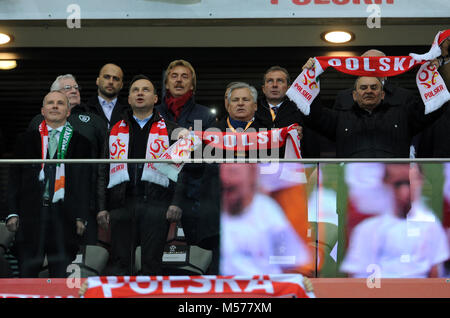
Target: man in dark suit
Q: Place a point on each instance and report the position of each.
(50, 201)
(275, 110)
(106, 104)
(88, 124)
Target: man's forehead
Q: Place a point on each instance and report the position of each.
(276, 74)
(142, 83)
(368, 81)
(241, 91)
(180, 69)
(67, 80)
(55, 96)
(111, 69)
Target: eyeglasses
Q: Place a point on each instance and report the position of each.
(69, 87)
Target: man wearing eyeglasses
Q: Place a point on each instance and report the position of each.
(106, 103)
(91, 127)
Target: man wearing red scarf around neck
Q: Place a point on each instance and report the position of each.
(201, 205)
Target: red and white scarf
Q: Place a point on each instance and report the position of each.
(157, 144)
(431, 86)
(63, 145)
(261, 286)
(263, 139)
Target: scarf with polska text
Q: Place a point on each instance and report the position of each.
(157, 144)
(63, 145)
(256, 140)
(431, 86)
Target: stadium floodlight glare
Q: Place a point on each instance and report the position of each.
(337, 37)
(4, 38)
(8, 64)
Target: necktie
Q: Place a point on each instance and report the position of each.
(53, 143)
(275, 110)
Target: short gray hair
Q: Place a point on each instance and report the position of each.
(237, 85)
(56, 86)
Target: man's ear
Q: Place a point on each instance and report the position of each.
(354, 95)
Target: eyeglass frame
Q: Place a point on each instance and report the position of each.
(69, 87)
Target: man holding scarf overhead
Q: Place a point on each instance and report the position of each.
(372, 128)
(49, 202)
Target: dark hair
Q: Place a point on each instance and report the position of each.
(277, 68)
(141, 77)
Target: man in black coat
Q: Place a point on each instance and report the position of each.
(91, 126)
(371, 128)
(201, 212)
(47, 211)
(138, 210)
(275, 110)
(106, 104)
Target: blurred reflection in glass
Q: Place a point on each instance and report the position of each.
(410, 242)
(256, 236)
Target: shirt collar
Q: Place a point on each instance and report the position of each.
(104, 102)
(277, 106)
(60, 128)
(142, 122)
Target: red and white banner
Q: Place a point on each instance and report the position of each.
(283, 285)
(256, 140)
(431, 86)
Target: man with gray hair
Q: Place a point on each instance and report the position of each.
(241, 107)
(89, 125)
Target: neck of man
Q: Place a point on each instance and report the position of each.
(246, 120)
(108, 99)
(369, 108)
(143, 113)
(55, 124)
(274, 102)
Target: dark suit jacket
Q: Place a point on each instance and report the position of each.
(191, 112)
(25, 191)
(289, 114)
(94, 106)
(201, 207)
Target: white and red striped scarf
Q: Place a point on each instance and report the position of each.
(256, 140)
(261, 286)
(431, 86)
(63, 145)
(157, 144)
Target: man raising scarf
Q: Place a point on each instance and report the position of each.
(371, 128)
(50, 201)
(137, 201)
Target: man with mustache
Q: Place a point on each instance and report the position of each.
(106, 104)
(202, 206)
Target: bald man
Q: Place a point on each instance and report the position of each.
(49, 205)
(106, 104)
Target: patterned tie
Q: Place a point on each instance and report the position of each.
(53, 143)
(275, 110)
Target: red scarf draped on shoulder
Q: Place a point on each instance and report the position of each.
(175, 104)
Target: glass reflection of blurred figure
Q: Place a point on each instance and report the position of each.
(410, 243)
(256, 237)
(363, 178)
